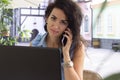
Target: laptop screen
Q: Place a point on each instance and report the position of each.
(29, 63)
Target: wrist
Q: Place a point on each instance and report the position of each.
(68, 64)
(66, 57)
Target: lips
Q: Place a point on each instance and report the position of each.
(54, 31)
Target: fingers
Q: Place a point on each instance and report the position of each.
(68, 34)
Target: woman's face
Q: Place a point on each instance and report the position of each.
(56, 22)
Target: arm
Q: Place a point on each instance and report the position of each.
(75, 72)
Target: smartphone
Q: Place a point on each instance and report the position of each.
(64, 41)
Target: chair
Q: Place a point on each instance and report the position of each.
(91, 75)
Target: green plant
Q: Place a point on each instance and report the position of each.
(23, 34)
(115, 76)
(4, 16)
(7, 41)
(4, 29)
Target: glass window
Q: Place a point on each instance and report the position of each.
(86, 23)
(99, 25)
(109, 24)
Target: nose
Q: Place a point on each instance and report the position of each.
(56, 24)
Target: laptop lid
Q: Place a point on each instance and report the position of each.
(29, 63)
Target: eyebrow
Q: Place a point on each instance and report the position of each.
(56, 17)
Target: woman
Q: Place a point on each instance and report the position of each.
(63, 19)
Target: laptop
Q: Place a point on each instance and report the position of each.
(29, 63)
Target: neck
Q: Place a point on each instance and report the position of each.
(52, 42)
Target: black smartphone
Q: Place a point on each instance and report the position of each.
(64, 41)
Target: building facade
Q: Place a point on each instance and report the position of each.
(106, 27)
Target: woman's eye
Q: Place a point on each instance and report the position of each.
(65, 23)
(53, 18)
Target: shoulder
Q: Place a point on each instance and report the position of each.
(37, 39)
(80, 51)
(77, 51)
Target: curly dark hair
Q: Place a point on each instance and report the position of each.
(73, 14)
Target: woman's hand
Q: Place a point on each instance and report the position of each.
(69, 36)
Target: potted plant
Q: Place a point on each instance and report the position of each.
(5, 18)
(4, 27)
(23, 34)
(7, 41)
